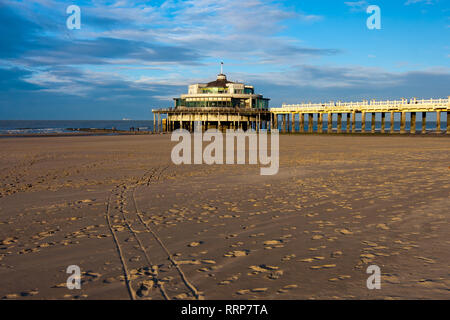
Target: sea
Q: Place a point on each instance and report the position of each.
(14, 127)
(18, 127)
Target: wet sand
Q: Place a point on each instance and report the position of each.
(141, 227)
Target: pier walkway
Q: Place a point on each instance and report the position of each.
(339, 109)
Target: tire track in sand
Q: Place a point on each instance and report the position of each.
(134, 238)
(155, 176)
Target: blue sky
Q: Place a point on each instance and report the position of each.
(129, 57)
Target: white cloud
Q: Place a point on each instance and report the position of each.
(357, 5)
(409, 2)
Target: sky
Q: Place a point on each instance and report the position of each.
(129, 57)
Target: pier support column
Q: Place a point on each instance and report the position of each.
(448, 122)
(339, 122)
(383, 122)
(372, 122)
(283, 123)
(330, 122)
(286, 123)
(392, 128)
(301, 122)
(310, 123)
(320, 123)
(158, 117)
(259, 122)
(154, 123)
(363, 122)
(293, 123)
(438, 121)
(403, 123)
(424, 122)
(353, 122)
(413, 123)
(348, 122)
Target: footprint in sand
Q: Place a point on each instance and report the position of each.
(195, 244)
(29, 293)
(238, 253)
(325, 266)
(336, 254)
(259, 290)
(344, 231)
(243, 291)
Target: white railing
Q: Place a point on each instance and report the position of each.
(388, 102)
(369, 105)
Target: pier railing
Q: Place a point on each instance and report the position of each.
(403, 105)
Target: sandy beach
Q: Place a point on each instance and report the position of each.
(141, 227)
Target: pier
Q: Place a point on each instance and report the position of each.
(301, 117)
(324, 113)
